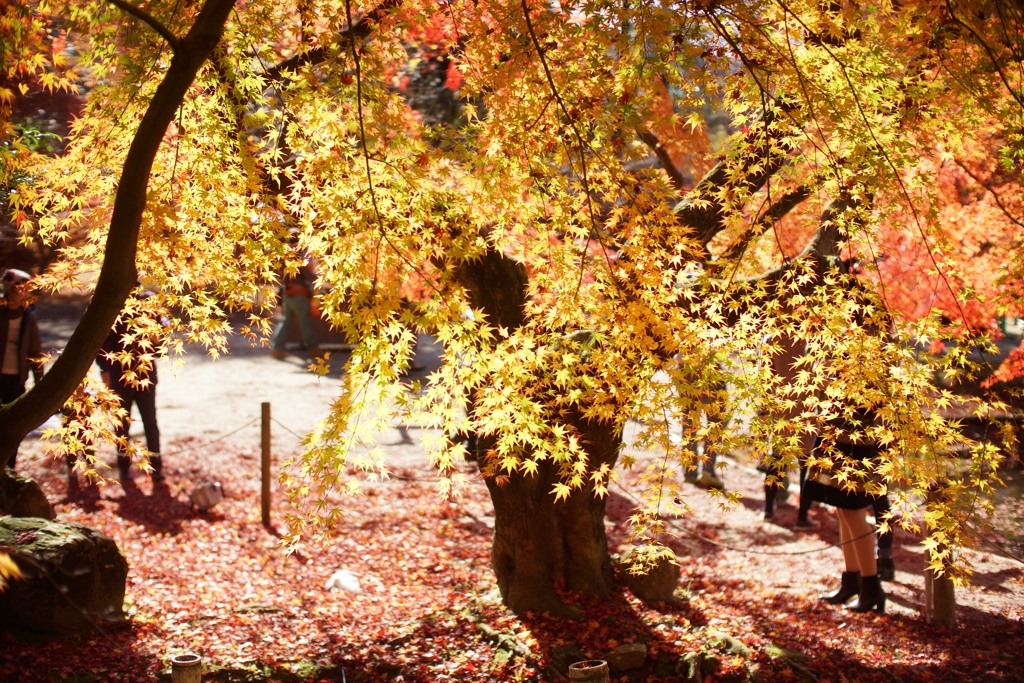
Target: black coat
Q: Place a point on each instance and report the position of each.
(29, 347)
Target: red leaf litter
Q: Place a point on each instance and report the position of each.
(219, 584)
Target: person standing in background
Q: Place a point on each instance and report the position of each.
(19, 338)
(785, 365)
(296, 299)
(132, 389)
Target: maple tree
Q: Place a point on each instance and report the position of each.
(573, 289)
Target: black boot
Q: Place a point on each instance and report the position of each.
(886, 569)
(158, 468)
(872, 597)
(849, 586)
(769, 502)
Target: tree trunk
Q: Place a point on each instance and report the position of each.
(117, 275)
(541, 544)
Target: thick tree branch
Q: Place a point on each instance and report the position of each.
(358, 31)
(118, 274)
(765, 221)
(280, 183)
(823, 247)
(314, 56)
(651, 140)
(233, 115)
(497, 285)
(704, 209)
(148, 18)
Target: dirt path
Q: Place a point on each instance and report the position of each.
(202, 398)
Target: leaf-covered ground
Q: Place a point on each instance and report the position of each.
(218, 584)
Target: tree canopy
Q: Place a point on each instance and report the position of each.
(575, 286)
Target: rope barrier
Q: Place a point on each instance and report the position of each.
(404, 478)
(1003, 552)
(749, 551)
(254, 421)
(393, 476)
(285, 428)
(689, 532)
(210, 443)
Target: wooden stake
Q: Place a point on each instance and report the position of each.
(939, 592)
(265, 457)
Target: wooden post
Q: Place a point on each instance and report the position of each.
(265, 461)
(939, 592)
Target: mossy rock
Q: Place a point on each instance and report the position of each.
(73, 577)
(22, 497)
(627, 657)
(729, 644)
(695, 666)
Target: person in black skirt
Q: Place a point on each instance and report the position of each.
(860, 579)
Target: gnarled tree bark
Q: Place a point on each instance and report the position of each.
(541, 544)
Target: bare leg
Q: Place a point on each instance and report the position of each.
(871, 596)
(849, 552)
(863, 533)
(851, 582)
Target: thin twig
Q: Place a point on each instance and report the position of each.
(539, 116)
(361, 29)
(988, 50)
(583, 158)
(881, 151)
(652, 141)
(366, 154)
(775, 212)
(991, 191)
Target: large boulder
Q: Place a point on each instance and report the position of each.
(657, 584)
(22, 497)
(74, 577)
